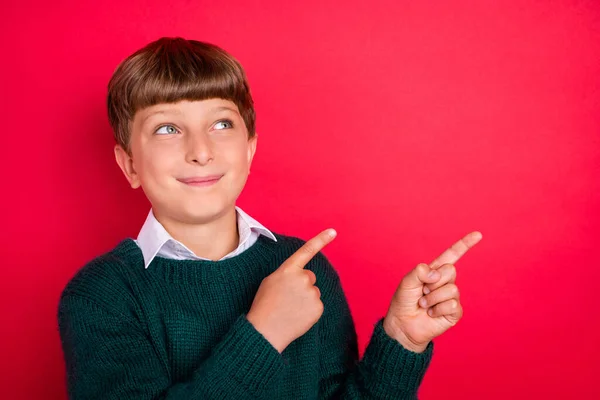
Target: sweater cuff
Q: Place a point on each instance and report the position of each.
(390, 364)
(247, 357)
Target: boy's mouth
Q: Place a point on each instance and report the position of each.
(201, 180)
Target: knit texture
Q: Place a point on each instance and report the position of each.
(178, 330)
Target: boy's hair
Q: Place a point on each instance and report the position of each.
(172, 69)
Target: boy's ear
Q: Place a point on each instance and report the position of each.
(251, 149)
(126, 164)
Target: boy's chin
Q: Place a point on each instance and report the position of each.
(205, 213)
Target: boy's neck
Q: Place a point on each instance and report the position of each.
(212, 240)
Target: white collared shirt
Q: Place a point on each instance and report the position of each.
(154, 240)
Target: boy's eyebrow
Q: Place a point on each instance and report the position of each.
(175, 111)
(168, 111)
(222, 108)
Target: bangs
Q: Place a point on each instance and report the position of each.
(185, 75)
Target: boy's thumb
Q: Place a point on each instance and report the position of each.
(420, 276)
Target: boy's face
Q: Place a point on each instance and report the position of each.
(173, 142)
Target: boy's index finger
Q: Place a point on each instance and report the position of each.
(457, 250)
(310, 249)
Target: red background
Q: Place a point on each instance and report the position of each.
(404, 125)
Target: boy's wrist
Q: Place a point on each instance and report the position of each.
(400, 337)
(267, 335)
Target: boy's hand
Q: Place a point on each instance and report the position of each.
(414, 324)
(287, 304)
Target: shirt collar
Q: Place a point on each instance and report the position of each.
(153, 235)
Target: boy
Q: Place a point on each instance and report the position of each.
(208, 303)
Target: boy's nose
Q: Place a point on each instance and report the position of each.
(199, 149)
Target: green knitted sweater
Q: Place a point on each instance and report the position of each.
(178, 330)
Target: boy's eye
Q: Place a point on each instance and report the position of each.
(169, 129)
(226, 121)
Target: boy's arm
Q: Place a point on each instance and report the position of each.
(386, 371)
(109, 356)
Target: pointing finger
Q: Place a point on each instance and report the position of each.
(457, 250)
(309, 249)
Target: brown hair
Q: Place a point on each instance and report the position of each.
(172, 69)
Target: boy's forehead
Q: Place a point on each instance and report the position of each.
(188, 106)
(206, 104)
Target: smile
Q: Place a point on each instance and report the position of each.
(199, 181)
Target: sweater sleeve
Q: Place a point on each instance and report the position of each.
(387, 369)
(109, 356)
